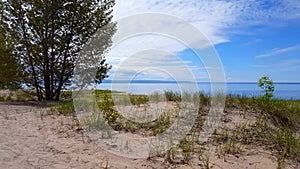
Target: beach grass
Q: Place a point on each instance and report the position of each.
(275, 128)
(65, 108)
(284, 113)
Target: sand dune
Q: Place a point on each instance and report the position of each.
(31, 138)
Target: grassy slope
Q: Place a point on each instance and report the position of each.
(283, 114)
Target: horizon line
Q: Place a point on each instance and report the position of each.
(186, 81)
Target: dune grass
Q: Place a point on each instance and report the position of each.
(65, 108)
(284, 113)
(281, 139)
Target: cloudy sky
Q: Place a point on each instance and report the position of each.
(251, 38)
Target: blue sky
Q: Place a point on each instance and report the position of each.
(272, 50)
(252, 38)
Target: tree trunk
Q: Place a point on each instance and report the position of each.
(57, 95)
(36, 85)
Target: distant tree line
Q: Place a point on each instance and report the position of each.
(40, 41)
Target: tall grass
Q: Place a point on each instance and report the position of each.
(138, 99)
(285, 113)
(279, 137)
(172, 96)
(65, 108)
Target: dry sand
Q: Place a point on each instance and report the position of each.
(29, 141)
(30, 138)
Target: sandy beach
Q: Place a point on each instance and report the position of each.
(30, 137)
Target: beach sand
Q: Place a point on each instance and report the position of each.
(30, 137)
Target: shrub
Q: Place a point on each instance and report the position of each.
(109, 113)
(266, 84)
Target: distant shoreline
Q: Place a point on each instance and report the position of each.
(174, 82)
(283, 90)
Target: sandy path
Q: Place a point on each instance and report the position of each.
(27, 141)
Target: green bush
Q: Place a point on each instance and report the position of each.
(109, 113)
(65, 108)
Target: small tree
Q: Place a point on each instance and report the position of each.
(47, 36)
(266, 84)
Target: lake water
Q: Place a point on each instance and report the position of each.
(282, 90)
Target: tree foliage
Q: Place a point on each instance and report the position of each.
(266, 84)
(10, 70)
(49, 34)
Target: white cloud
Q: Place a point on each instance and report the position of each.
(279, 51)
(158, 65)
(262, 11)
(281, 65)
(213, 16)
(216, 19)
(291, 62)
(210, 17)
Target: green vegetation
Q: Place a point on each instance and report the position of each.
(47, 37)
(10, 67)
(172, 96)
(138, 99)
(65, 108)
(287, 145)
(282, 141)
(40, 43)
(266, 84)
(161, 124)
(285, 113)
(205, 158)
(186, 147)
(274, 129)
(109, 113)
(231, 143)
(17, 95)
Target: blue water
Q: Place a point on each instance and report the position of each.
(289, 91)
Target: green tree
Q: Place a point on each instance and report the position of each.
(10, 70)
(266, 84)
(49, 34)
